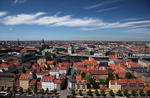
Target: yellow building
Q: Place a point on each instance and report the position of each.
(24, 80)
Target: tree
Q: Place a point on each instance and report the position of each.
(29, 66)
(47, 91)
(117, 76)
(110, 77)
(2, 88)
(21, 90)
(38, 79)
(126, 93)
(34, 75)
(83, 75)
(80, 92)
(128, 75)
(148, 93)
(8, 89)
(103, 92)
(90, 93)
(119, 93)
(73, 92)
(29, 91)
(102, 82)
(95, 86)
(134, 93)
(55, 91)
(14, 90)
(111, 93)
(23, 70)
(141, 93)
(16, 71)
(35, 90)
(97, 93)
(42, 91)
(88, 78)
(48, 67)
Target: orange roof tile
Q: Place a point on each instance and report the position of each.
(49, 78)
(25, 76)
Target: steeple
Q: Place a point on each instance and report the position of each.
(43, 42)
(18, 42)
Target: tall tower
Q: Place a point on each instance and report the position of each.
(70, 49)
(43, 42)
(18, 43)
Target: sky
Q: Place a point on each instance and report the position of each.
(112, 20)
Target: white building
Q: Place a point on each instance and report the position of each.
(144, 63)
(48, 82)
(70, 50)
(63, 71)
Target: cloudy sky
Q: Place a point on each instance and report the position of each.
(75, 19)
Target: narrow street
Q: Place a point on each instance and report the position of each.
(63, 93)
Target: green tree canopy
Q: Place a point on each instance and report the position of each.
(73, 92)
(55, 91)
(42, 91)
(80, 92)
(141, 93)
(96, 92)
(148, 93)
(29, 91)
(119, 93)
(126, 93)
(134, 93)
(83, 75)
(23, 70)
(103, 92)
(111, 93)
(35, 90)
(128, 75)
(21, 90)
(90, 93)
(47, 91)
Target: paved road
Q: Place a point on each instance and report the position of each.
(63, 93)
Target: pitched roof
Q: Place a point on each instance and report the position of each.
(125, 81)
(24, 76)
(48, 78)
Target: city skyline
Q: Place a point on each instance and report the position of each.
(75, 20)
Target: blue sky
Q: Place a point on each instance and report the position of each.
(75, 20)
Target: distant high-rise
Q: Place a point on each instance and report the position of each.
(44, 45)
(18, 43)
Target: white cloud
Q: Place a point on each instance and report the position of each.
(106, 2)
(78, 22)
(47, 20)
(3, 14)
(21, 19)
(107, 9)
(19, 1)
(138, 30)
(85, 23)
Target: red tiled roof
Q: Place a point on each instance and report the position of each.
(50, 62)
(24, 76)
(58, 81)
(49, 78)
(124, 81)
(132, 64)
(42, 72)
(99, 72)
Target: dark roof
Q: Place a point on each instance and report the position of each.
(139, 70)
(7, 75)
